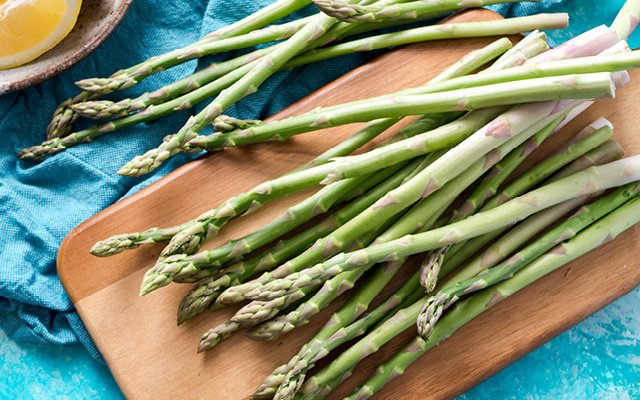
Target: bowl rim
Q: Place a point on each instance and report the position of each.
(74, 57)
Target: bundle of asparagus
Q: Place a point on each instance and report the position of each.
(295, 43)
(442, 188)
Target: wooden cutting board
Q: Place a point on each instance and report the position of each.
(151, 357)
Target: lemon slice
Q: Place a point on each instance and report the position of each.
(28, 28)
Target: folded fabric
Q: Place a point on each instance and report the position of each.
(41, 202)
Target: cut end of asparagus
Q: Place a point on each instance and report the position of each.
(620, 79)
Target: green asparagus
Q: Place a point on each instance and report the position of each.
(375, 12)
(592, 180)
(602, 231)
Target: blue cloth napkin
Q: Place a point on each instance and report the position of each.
(41, 202)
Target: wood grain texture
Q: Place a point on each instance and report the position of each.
(151, 357)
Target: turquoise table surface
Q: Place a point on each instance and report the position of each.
(597, 359)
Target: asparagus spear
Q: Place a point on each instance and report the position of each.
(469, 63)
(599, 233)
(178, 265)
(209, 46)
(521, 52)
(63, 116)
(516, 121)
(107, 108)
(258, 311)
(204, 294)
(589, 43)
(376, 12)
(409, 223)
(507, 244)
(589, 138)
(589, 181)
(567, 153)
(627, 19)
(443, 31)
(118, 243)
(440, 200)
(479, 97)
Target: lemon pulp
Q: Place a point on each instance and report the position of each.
(29, 28)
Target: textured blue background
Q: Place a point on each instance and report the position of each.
(599, 358)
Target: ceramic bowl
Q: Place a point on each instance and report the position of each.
(96, 21)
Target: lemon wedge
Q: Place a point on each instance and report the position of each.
(28, 28)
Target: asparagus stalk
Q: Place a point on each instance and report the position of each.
(469, 63)
(180, 265)
(273, 61)
(627, 19)
(204, 47)
(440, 199)
(64, 116)
(599, 233)
(587, 140)
(106, 108)
(203, 295)
(589, 43)
(436, 304)
(531, 90)
(521, 52)
(592, 180)
(407, 224)
(443, 31)
(258, 311)
(318, 251)
(376, 12)
(601, 63)
(118, 243)
(511, 124)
